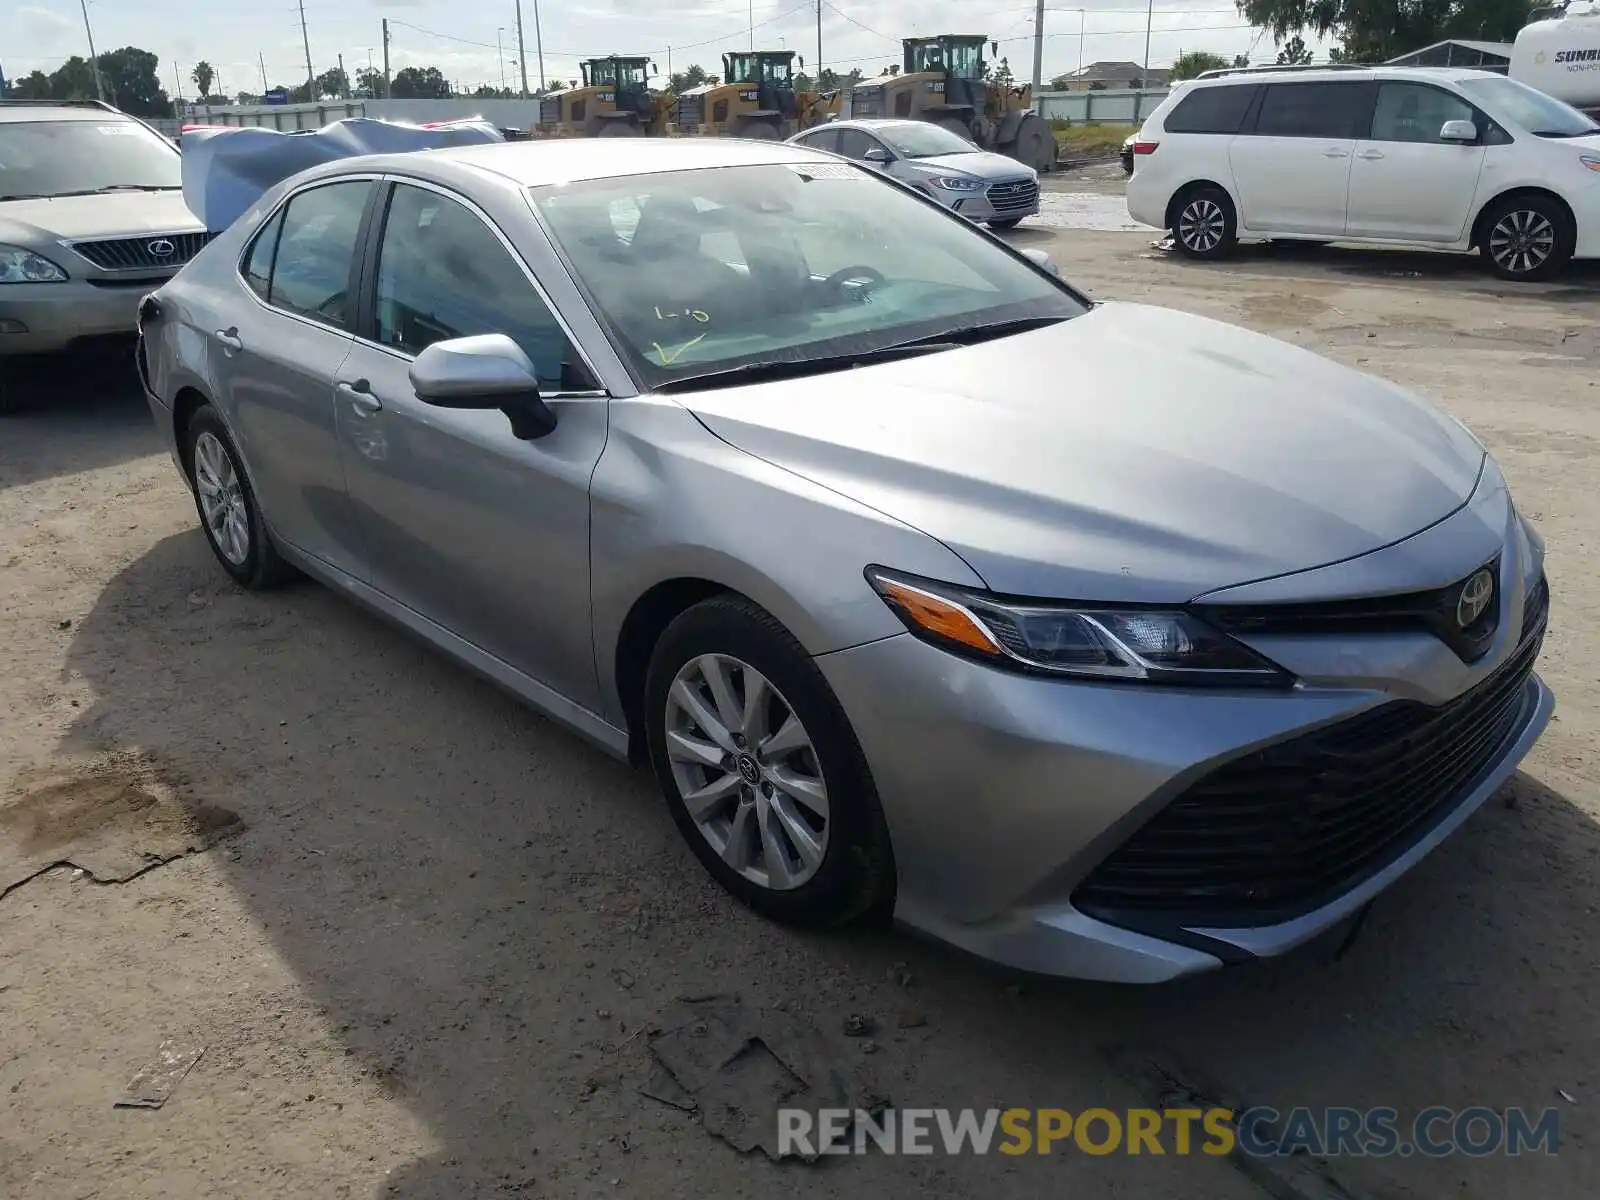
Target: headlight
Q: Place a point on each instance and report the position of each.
(1165, 646)
(957, 183)
(24, 266)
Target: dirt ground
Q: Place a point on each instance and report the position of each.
(419, 932)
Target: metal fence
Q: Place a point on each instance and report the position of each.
(1126, 107)
(513, 114)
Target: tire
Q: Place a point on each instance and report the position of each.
(1527, 238)
(1008, 223)
(1035, 145)
(850, 871)
(760, 131)
(956, 126)
(242, 545)
(617, 129)
(1206, 215)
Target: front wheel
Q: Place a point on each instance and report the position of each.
(1203, 224)
(1527, 238)
(761, 770)
(1008, 223)
(760, 131)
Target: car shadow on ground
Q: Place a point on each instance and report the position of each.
(490, 912)
(78, 414)
(1579, 283)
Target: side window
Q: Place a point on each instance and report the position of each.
(1414, 112)
(258, 266)
(826, 140)
(1218, 109)
(1314, 110)
(443, 274)
(853, 143)
(316, 245)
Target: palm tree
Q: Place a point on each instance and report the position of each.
(203, 77)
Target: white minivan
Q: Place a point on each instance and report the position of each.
(1444, 157)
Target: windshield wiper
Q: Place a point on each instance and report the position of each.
(797, 368)
(1564, 133)
(123, 187)
(22, 196)
(967, 335)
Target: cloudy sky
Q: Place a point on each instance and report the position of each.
(460, 39)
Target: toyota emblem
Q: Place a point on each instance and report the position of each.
(1476, 593)
(161, 248)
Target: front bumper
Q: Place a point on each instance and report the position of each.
(1005, 793)
(48, 318)
(993, 204)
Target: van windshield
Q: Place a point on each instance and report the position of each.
(1518, 104)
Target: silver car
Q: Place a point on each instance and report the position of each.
(91, 218)
(744, 463)
(981, 186)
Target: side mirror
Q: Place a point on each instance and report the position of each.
(878, 155)
(487, 370)
(1043, 261)
(1458, 131)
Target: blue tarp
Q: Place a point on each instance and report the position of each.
(226, 170)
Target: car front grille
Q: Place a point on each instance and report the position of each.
(1014, 198)
(691, 111)
(152, 252)
(1275, 834)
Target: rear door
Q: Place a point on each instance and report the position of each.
(1405, 181)
(277, 362)
(1291, 167)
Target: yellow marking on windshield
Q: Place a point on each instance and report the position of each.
(698, 314)
(667, 359)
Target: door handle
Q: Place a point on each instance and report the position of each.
(1333, 153)
(360, 395)
(229, 338)
(1370, 154)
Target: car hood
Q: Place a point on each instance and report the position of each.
(108, 214)
(1132, 454)
(980, 163)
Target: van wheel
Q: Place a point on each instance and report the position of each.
(1527, 238)
(1203, 223)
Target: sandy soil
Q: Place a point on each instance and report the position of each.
(418, 931)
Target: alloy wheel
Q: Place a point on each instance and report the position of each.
(1201, 225)
(222, 502)
(747, 770)
(1522, 241)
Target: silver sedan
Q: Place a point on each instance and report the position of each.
(981, 186)
(1096, 639)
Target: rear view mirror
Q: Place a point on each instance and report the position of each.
(487, 370)
(1458, 131)
(877, 155)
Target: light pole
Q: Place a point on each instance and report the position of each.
(500, 53)
(522, 55)
(94, 59)
(1149, 19)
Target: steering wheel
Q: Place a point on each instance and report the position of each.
(865, 278)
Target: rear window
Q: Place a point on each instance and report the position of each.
(1330, 110)
(1211, 110)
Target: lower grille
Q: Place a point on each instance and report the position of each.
(152, 251)
(1278, 833)
(866, 104)
(1015, 198)
(691, 111)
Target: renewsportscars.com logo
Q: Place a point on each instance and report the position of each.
(1256, 1132)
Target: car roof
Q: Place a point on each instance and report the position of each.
(565, 160)
(59, 110)
(867, 123)
(1357, 74)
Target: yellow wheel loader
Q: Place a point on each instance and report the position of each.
(615, 100)
(945, 80)
(757, 99)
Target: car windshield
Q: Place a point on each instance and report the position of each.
(58, 158)
(1519, 104)
(703, 272)
(921, 140)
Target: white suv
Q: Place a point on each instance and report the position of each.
(1450, 158)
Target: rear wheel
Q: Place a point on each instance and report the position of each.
(956, 126)
(617, 129)
(1035, 145)
(1527, 238)
(227, 506)
(760, 131)
(1203, 223)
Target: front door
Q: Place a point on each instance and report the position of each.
(1405, 181)
(476, 530)
(276, 369)
(1292, 170)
